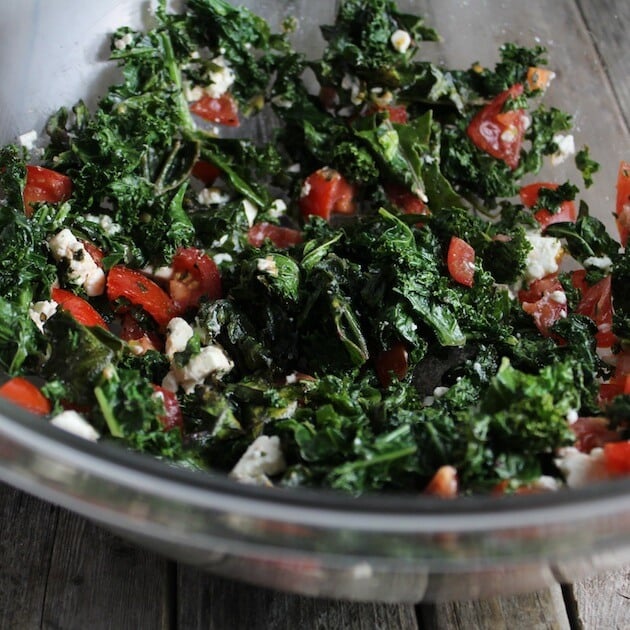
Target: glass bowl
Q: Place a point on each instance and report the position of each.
(389, 548)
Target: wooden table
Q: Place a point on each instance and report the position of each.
(60, 571)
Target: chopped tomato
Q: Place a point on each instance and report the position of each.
(45, 185)
(545, 301)
(397, 113)
(405, 200)
(444, 483)
(592, 433)
(195, 275)
(23, 393)
(392, 363)
(222, 110)
(620, 382)
(529, 197)
(578, 280)
(326, 191)
(206, 172)
(497, 132)
(461, 261)
(617, 457)
(130, 284)
(172, 418)
(79, 308)
(622, 213)
(539, 78)
(596, 303)
(328, 96)
(137, 337)
(94, 251)
(280, 236)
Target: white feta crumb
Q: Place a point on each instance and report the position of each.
(566, 147)
(580, 469)
(400, 40)
(509, 134)
(438, 392)
(345, 112)
(40, 312)
(221, 78)
(192, 93)
(306, 189)
(82, 270)
(267, 265)
(558, 296)
(277, 208)
(251, 210)
(544, 256)
(546, 482)
(294, 168)
(353, 84)
(122, 42)
(280, 101)
(222, 258)
(262, 459)
(106, 223)
(75, 423)
(178, 334)
(213, 196)
(572, 416)
(601, 262)
(28, 140)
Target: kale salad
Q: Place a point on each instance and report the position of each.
(369, 300)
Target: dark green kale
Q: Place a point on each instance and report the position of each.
(586, 165)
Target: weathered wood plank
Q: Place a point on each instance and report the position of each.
(603, 601)
(218, 604)
(28, 532)
(542, 610)
(96, 580)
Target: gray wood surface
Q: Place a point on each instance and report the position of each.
(60, 571)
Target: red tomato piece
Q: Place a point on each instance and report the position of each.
(444, 483)
(79, 308)
(222, 110)
(392, 363)
(281, 237)
(206, 172)
(497, 132)
(45, 185)
(622, 213)
(542, 300)
(23, 393)
(173, 417)
(94, 251)
(405, 200)
(578, 280)
(326, 191)
(460, 261)
(617, 457)
(130, 284)
(596, 303)
(397, 113)
(529, 197)
(195, 275)
(139, 339)
(592, 433)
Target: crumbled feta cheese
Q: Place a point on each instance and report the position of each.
(543, 258)
(221, 78)
(28, 140)
(82, 270)
(353, 84)
(122, 42)
(558, 296)
(572, 416)
(294, 168)
(267, 265)
(158, 273)
(75, 423)
(40, 312)
(400, 40)
(600, 262)
(280, 101)
(213, 196)
(438, 392)
(345, 112)
(579, 468)
(221, 258)
(277, 208)
(546, 482)
(210, 360)
(192, 93)
(106, 223)
(262, 459)
(179, 333)
(251, 210)
(306, 189)
(566, 147)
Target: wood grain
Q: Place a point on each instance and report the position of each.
(219, 604)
